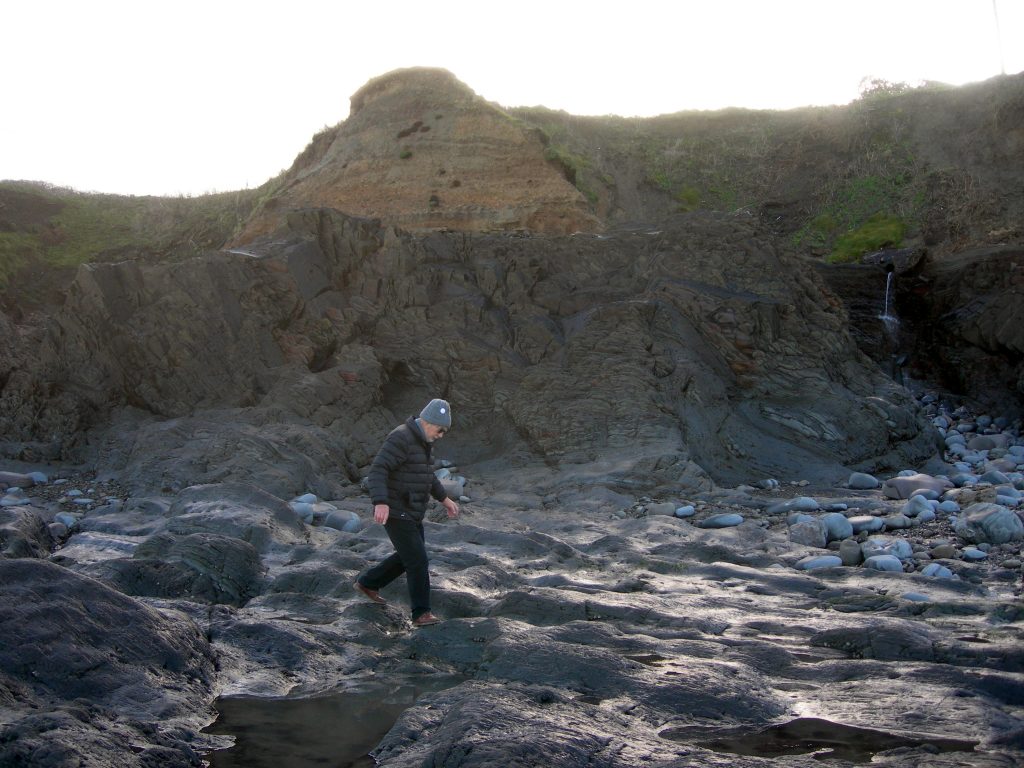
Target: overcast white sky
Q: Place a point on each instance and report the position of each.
(193, 96)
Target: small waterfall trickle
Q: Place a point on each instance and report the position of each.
(892, 326)
(890, 320)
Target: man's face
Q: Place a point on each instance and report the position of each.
(433, 432)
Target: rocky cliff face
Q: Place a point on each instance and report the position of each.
(421, 150)
(677, 356)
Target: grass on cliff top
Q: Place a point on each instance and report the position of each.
(53, 226)
(879, 231)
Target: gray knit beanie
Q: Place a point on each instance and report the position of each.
(437, 412)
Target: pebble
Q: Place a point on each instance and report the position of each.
(799, 517)
(798, 504)
(725, 520)
(973, 554)
(916, 597)
(868, 523)
(983, 522)
(343, 520)
(687, 510)
(811, 532)
(850, 552)
(16, 479)
(883, 563)
(937, 571)
(905, 486)
(837, 526)
(943, 552)
(303, 509)
(886, 545)
(666, 508)
(813, 562)
(862, 481)
(961, 479)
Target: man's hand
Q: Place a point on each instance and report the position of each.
(381, 512)
(452, 507)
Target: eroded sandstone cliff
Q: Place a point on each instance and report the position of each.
(421, 150)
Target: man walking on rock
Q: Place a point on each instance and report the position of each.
(402, 480)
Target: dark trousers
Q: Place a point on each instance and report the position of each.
(410, 558)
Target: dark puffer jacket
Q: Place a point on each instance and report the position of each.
(402, 474)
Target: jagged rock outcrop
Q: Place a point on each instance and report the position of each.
(87, 673)
(676, 356)
(965, 320)
(421, 150)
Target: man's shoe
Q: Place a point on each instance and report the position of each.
(425, 620)
(370, 593)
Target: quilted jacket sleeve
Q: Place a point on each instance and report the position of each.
(390, 456)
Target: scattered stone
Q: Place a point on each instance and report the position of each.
(811, 533)
(905, 486)
(883, 563)
(837, 526)
(915, 597)
(886, 545)
(974, 554)
(989, 523)
(304, 509)
(725, 520)
(995, 477)
(814, 562)
(898, 522)
(16, 480)
(797, 504)
(943, 551)
(343, 520)
(936, 571)
(868, 523)
(665, 508)
(862, 482)
(850, 552)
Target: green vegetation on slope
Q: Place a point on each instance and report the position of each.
(41, 224)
